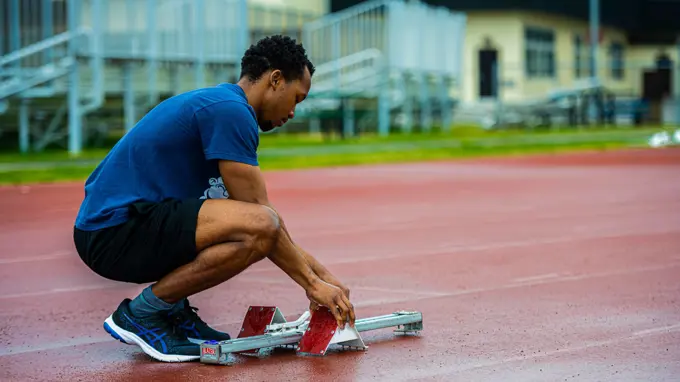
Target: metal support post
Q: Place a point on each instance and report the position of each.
(594, 37)
(348, 117)
(24, 128)
(75, 134)
(315, 126)
(425, 107)
(47, 28)
(128, 96)
(153, 50)
(407, 107)
(199, 41)
(14, 27)
(384, 113)
(446, 112)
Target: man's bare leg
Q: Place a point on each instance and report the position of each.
(233, 235)
(230, 237)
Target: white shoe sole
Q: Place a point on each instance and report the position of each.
(130, 338)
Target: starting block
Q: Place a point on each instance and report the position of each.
(264, 328)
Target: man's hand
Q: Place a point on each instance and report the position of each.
(333, 281)
(332, 297)
(314, 306)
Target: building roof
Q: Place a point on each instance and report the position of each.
(645, 21)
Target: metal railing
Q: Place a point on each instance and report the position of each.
(18, 78)
(349, 31)
(420, 49)
(203, 31)
(352, 74)
(66, 49)
(402, 53)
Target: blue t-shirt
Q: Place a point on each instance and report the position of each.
(172, 152)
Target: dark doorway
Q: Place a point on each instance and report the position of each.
(656, 86)
(488, 73)
(664, 69)
(656, 83)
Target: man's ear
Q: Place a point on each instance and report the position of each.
(276, 79)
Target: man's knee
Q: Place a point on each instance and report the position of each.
(264, 232)
(222, 221)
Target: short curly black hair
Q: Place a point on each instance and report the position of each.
(275, 52)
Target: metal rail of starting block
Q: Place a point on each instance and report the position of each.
(264, 329)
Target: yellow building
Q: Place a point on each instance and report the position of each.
(536, 53)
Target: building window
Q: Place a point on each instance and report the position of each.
(539, 52)
(616, 60)
(582, 55)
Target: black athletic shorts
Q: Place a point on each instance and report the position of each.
(157, 239)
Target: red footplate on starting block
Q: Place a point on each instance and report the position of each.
(256, 321)
(323, 331)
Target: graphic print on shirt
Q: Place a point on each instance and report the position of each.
(217, 190)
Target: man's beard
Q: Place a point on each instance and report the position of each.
(266, 126)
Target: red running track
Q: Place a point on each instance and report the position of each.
(545, 268)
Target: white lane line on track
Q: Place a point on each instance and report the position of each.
(81, 288)
(659, 330)
(448, 371)
(51, 256)
(400, 291)
(535, 278)
(386, 301)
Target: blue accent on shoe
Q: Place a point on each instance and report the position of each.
(150, 335)
(189, 328)
(113, 333)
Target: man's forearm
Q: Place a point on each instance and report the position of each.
(317, 267)
(287, 257)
